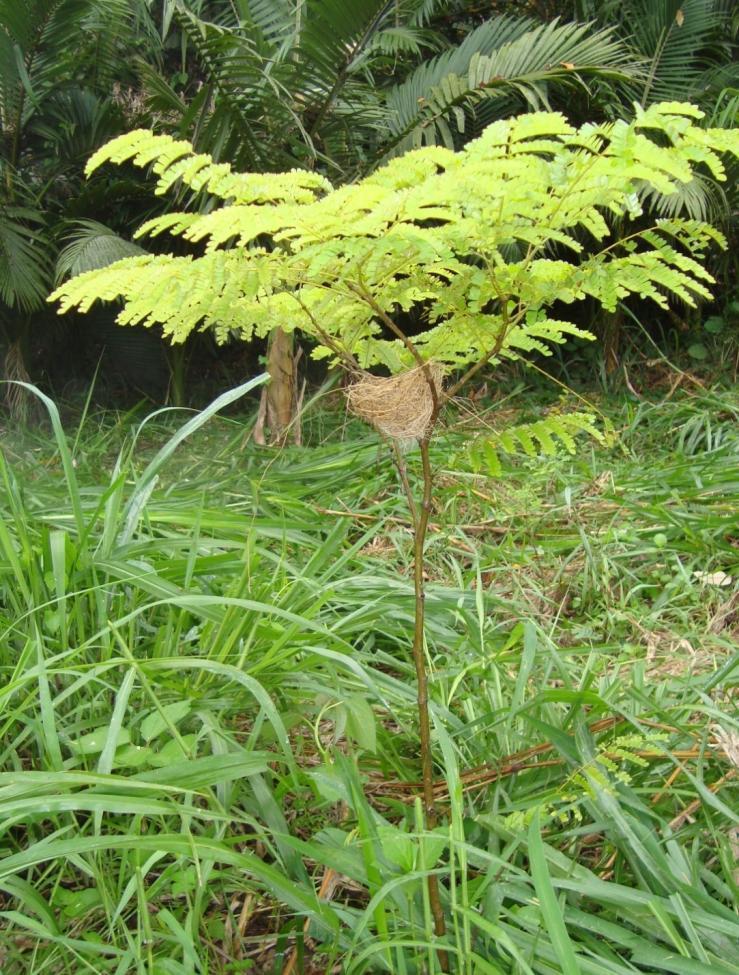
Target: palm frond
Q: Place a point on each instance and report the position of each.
(161, 97)
(112, 27)
(676, 37)
(275, 107)
(277, 21)
(485, 39)
(725, 111)
(333, 44)
(10, 91)
(700, 199)
(242, 81)
(602, 11)
(90, 246)
(24, 258)
(404, 39)
(47, 37)
(504, 58)
(420, 12)
(73, 125)
(43, 46)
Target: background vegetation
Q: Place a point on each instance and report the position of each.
(320, 83)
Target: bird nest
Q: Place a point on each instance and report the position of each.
(401, 406)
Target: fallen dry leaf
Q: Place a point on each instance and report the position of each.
(713, 578)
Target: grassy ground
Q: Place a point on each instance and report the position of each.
(207, 734)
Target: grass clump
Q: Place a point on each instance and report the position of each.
(209, 743)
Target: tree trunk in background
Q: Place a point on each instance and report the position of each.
(18, 401)
(177, 362)
(609, 332)
(278, 411)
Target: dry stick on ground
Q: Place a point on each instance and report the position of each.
(521, 761)
(670, 781)
(607, 871)
(329, 883)
(696, 804)
(513, 766)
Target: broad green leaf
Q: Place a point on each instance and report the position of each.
(551, 910)
(160, 720)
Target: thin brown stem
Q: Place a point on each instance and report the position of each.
(490, 354)
(420, 516)
(364, 294)
(403, 475)
(348, 360)
(419, 661)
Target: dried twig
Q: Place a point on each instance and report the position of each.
(523, 761)
(695, 805)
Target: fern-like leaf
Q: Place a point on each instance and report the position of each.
(461, 240)
(175, 162)
(546, 436)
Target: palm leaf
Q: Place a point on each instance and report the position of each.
(74, 123)
(24, 258)
(725, 113)
(112, 26)
(677, 38)
(281, 98)
(672, 35)
(46, 43)
(504, 57)
(276, 20)
(701, 199)
(248, 98)
(45, 36)
(334, 45)
(161, 96)
(419, 12)
(90, 246)
(403, 39)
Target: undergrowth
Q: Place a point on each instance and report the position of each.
(207, 736)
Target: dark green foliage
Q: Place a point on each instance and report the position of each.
(318, 83)
(55, 106)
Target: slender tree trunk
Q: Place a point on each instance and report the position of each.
(421, 521)
(21, 405)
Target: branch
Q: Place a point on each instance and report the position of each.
(508, 324)
(403, 474)
(350, 363)
(361, 292)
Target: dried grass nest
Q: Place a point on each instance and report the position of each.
(399, 406)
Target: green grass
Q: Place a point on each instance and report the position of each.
(208, 740)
